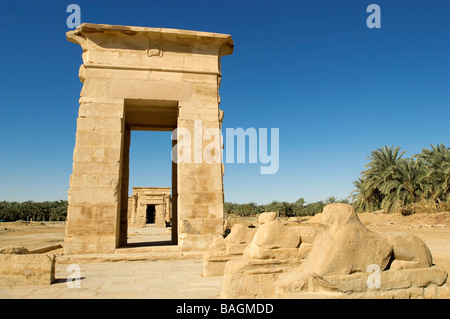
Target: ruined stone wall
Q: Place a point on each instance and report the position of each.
(144, 196)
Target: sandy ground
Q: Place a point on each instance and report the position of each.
(433, 229)
(31, 235)
(185, 280)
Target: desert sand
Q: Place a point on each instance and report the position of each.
(433, 229)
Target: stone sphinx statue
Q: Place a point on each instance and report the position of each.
(226, 249)
(346, 246)
(277, 240)
(344, 260)
(271, 239)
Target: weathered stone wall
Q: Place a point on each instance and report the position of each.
(143, 196)
(26, 269)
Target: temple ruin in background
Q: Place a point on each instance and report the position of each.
(150, 205)
(151, 79)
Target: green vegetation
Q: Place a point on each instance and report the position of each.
(36, 211)
(406, 185)
(298, 208)
(390, 182)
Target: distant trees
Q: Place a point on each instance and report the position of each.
(392, 182)
(285, 209)
(36, 211)
(436, 172)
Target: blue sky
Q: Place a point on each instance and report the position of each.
(312, 68)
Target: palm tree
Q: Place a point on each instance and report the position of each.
(300, 202)
(314, 208)
(381, 169)
(240, 210)
(228, 208)
(58, 211)
(250, 209)
(361, 196)
(285, 209)
(272, 207)
(437, 172)
(298, 206)
(406, 185)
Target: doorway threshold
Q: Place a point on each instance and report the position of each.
(139, 248)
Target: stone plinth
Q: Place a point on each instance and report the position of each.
(27, 269)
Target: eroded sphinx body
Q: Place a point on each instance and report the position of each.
(340, 259)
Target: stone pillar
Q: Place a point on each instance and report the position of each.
(167, 213)
(133, 208)
(95, 188)
(200, 183)
(123, 224)
(174, 202)
(159, 216)
(141, 214)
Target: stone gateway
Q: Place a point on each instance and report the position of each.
(152, 79)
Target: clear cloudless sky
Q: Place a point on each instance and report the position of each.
(312, 68)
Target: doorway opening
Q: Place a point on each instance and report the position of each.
(150, 214)
(148, 208)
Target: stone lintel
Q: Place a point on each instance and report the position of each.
(172, 49)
